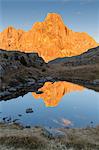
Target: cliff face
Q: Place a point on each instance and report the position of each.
(53, 92)
(50, 39)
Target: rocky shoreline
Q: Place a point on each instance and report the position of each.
(21, 72)
(15, 136)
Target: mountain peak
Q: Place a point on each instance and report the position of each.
(53, 17)
(50, 39)
(10, 28)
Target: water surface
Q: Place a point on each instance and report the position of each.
(61, 104)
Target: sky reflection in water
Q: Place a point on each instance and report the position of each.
(62, 104)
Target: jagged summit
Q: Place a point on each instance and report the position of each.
(10, 28)
(53, 17)
(50, 39)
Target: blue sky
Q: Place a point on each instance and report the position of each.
(78, 15)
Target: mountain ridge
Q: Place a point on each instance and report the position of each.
(50, 39)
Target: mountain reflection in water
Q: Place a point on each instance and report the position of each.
(78, 107)
(53, 92)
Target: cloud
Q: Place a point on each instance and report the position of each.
(63, 122)
(66, 122)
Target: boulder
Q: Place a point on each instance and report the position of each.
(53, 133)
(29, 110)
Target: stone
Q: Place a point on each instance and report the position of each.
(2, 71)
(49, 79)
(96, 82)
(20, 115)
(42, 81)
(4, 93)
(12, 89)
(29, 110)
(27, 126)
(15, 120)
(39, 92)
(4, 118)
(30, 82)
(53, 133)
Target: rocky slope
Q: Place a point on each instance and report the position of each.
(82, 69)
(23, 72)
(19, 72)
(50, 39)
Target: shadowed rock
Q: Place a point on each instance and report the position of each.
(20, 77)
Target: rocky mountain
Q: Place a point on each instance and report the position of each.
(50, 39)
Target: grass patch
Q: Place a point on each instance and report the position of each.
(22, 142)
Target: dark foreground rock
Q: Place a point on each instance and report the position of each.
(19, 73)
(53, 133)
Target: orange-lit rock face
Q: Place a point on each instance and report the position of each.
(51, 39)
(52, 93)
